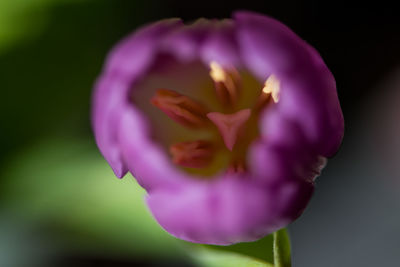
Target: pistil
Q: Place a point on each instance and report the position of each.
(230, 126)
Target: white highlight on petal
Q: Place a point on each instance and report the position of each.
(272, 86)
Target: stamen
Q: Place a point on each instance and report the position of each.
(180, 108)
(262, 101)
(272, 87)
(196, 154)
(270, 90)
(227, 83)
(230, 125)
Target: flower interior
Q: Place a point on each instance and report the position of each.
(204, 117)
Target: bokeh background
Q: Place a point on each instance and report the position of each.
(60, 204)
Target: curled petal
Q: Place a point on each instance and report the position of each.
(127, 62)
(223, 213)
(308, 90)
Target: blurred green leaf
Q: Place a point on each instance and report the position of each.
(260, 249)
(270, 251)
(51, 52)
(23, 19)
(219, 258)
(69, 187)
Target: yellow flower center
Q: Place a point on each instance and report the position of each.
(206, 129)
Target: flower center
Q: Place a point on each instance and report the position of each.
(231, 125)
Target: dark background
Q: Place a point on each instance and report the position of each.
(52, 51)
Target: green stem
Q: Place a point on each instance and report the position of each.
(281, 248)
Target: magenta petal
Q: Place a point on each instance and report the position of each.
(149, 166)
(127, 62)
(132, 55)
(217, 213)
(308, 90)
(185, 42)
(107, 112)
(221, 46)
(228, 211)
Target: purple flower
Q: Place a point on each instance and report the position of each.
(225, 123)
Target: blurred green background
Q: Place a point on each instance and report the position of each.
(60, 204)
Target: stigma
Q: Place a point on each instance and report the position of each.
(230, 126)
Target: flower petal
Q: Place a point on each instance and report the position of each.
(308, 90)
(127, 62)
(228, 211)
(220, 45)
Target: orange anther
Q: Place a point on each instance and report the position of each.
(180, 108)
